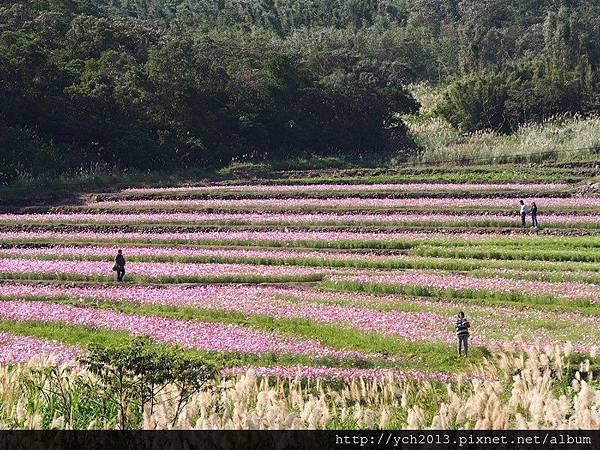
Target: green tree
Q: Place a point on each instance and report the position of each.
(134, 374)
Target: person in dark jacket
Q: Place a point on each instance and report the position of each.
(120, 265)
(533, 211)
(462, 332)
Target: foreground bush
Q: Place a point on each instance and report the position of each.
(537, 389)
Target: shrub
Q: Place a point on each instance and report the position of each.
(502, 100)
(134, 374)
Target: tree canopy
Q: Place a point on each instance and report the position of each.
(170, 84)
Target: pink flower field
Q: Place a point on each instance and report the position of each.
(366, 203)
(18, 349)
(215, 337)
(295, 218)
(152, 270)
(563, 289)
(282, 302)
(336, 373)
(109, 252)
(230, 235)
(291, 312)
(251, 300)
(353, 187)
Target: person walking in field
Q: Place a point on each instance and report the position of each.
(523, 213)
(533, 211)
(120, 266)
(462, 332)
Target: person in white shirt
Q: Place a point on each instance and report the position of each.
(523, 213)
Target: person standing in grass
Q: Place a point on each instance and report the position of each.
(523, 213)
(533, 211)
(120, 266)
(462, 332)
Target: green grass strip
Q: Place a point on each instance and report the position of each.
(591, 242)
(329, 261)
(538, 276)
(481, 297)
(508, 223)
(514, 242)
(132, 279)
(445, 175)
(591, 255)
(83, 336)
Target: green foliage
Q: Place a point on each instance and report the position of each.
(121, 93)
(178, 85)
(260, 169)
(502, 95)
(502, 100)
(130, 374)
(69, 395)
(136, 373)
(244, 169)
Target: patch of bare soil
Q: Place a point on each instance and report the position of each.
(589, 189)
(40, 204)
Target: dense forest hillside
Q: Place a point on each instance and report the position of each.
(151, 84)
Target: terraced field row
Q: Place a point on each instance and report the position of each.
(332, 298)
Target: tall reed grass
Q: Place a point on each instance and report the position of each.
(561, 138)
(537, 389)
